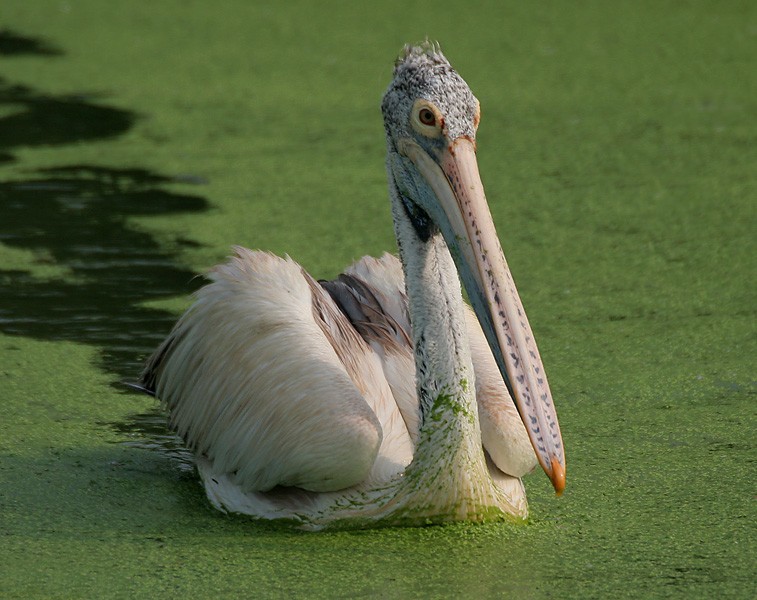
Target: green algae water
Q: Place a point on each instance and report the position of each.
(618, 148)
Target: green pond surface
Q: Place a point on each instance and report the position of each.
(618, 148)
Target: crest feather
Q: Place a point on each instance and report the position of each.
(428, 50)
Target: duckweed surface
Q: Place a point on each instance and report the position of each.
(618, 148)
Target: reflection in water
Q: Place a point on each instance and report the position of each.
(74, 217)
(148, 431)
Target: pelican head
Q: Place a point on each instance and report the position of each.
(431, 117)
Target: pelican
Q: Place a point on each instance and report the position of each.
(380, 397)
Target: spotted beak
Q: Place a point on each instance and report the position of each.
(460, 211)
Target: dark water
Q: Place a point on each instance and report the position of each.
(75, 217)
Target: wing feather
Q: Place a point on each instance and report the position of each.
(275, 380)
(255, 386)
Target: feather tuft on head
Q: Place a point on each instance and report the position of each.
(426, 51)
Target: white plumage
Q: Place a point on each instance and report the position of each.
(319, 402)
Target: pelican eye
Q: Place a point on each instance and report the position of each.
(427, 117)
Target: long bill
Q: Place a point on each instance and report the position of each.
(463, 217)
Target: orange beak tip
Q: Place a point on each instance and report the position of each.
(558, 476)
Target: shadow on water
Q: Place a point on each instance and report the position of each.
(47, 120)
(42, 119)
(13, 44)
(74, 217)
